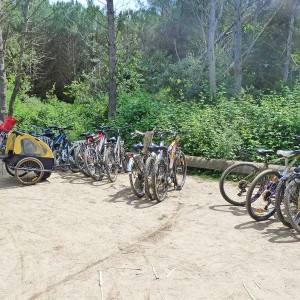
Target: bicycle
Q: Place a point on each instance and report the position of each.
(136, 162)
(235, 179)
(63, 150)
(169, 168)
(115, 156)
(260, 197)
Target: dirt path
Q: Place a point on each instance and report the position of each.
(59, 237)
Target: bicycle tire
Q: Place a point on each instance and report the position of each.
(292, 203)
(58, 161)
(160, 180)
(235, 180)
(79, 159)
(261, 195)
(33, 168)
(148, 177)
(111, 165)
(180, 170)
(73, 166)
(279, 205)
(136, 178)
(9, 170)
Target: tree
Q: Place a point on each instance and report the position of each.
(112, 59)
(287, 65)
(211, 48)
(237, 42)
(2, 79)
(19, 76)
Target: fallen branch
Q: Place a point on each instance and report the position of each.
(172, 271)
(162, 297)
(156, 276)
(248, 292)
(101, 284)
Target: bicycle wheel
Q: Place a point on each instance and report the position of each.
(148, 177)
(235, 181)
(73, 166)
(160, 180)
(260, 198)
(111, 165)
(79, 159)
(279, 205)
(59, 162)
(179, 171)
(291, 201)
(29, 171)
(136, 177)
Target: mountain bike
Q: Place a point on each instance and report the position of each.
(169, 169)
(95, 156)
(137, 161)
(63, 150)
(260, 197)
(235, 180)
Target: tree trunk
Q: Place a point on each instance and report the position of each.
(237, 42)
(18, 81)
(112, 60)
(2, 80)
(211, 48)
(287, 65)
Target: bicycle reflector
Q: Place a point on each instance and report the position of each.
(129, 155)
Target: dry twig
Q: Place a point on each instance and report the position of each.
(156, 276)
(248, 292)
(101, 284)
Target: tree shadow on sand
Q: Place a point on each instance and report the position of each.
(281, 235)
(234, 210)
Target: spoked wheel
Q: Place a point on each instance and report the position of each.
(73, 166)
(279, 205)
(260, 199)
(79, 159)
(111, 165)
(292, 203)
(150, 162)
(137, 177)
(235, 181)
(59, 162)
(160, 180)
(29, 171)
(92, 164)
(180, 168)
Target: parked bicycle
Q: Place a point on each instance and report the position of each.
(170, 168)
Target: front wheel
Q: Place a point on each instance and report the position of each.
(149, 176)
(235, 181)
(137, 177)
(292, 203)
(160, 179)
(260, 198)
(180, 169)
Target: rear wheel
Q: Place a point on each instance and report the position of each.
(79, 159)
(73, 166)
(260, 199)
(235, 181)
(137, 178)
(59, 162)
(29, 171)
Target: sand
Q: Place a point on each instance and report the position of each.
(74, 238)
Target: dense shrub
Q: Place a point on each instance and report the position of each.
(231, 129)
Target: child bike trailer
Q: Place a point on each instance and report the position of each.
(28, 158)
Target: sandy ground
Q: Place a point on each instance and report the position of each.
(72, 238)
